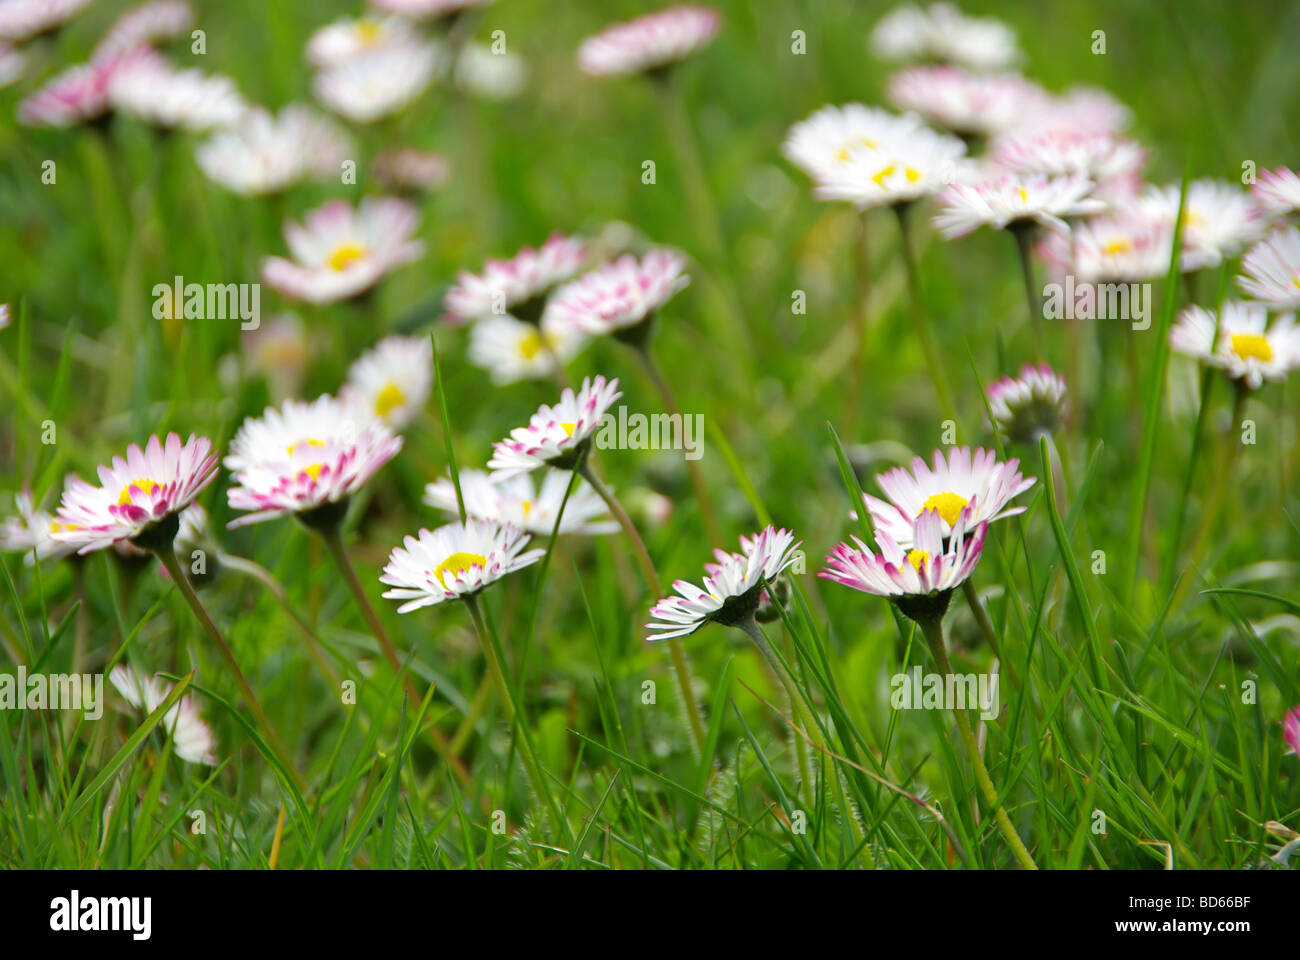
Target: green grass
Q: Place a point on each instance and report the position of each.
(1128, 700)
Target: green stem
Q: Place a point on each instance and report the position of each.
(933, 629)
(862, 316)
(920, 320)
(1024, 234)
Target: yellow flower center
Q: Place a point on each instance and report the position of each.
(948, 504)
(1024, 196)
(458, 563)
(530, 345)
(527, 506)
(568, 427)
(1296, 279)
(58, 526)
(880, 177)
(313, 470)
(344, 255)
(1116, 247)
(305, 442)
(916, 558)
(912, 174)
(144, 486)
(388, 400)
(1248, 345)
(367, 31)
(1193, 219)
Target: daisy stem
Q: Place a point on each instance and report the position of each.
(920, 321)
(933, 629)
(681, 668)
(853, 392)
(798, 702)
(333, 538)
(167, 556)
(1024, 234)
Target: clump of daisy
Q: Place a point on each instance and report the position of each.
(151, 90)
(1029, 406)
(1271, 270)
(1278, 191)
(378, 83)
(192, 739)
(1246, 347)
(518, 286)
(651, 43)
(517, 502)
(942, 33)
(974, 105)
(391, 382)
(339, 252)
(512, 350)
(266, 154)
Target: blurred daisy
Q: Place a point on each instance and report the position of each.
(347, 37)
(918, 165)
(977, 487)
(30, 531)
(24, 19)
(943, 33)
(833, 135)
(304, 457)
(1291, 731)
(391, 381)
(1271, 270)
(145, 25)
(1030, 405)
(139, 498)
(278, 350)
(192, 739)
(151, 90)
(971, 104)
(1247, 349)
(517, 286)
(1086, 111)
(5, 316)
(619, 296)
(555, 436)
(649, 43)
(427, 9)
(513, 350)
(339, 252)
(1112, 162)
(1219, 219)
(1011, 201)
(483, 72)
(453, 562)
(733, 586)
(378, 83)
(516, 502)
(262, 154)
(12, 64)
(1129, 245)
(1278, 191)
(408, 170)
(78, 94)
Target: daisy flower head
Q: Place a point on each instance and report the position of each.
(391, 381)
(518, 285)
(145, 25)
(970, 104)
(484, 73)
(30, 530)
(517, 502)
(1114, 163)
(944, 34)
(915, 166)
(262, 154)
(651, 43)
(427, 9)
(1247, 347)
(1130, 244)
(340, 252)
(1291, 731)
(1271, 270)
(192, 739)
(12, 64)
(620, 297)
(140, 497)
(833, 135)
(732, 587)
(961, 484)
(76, 95)
(408, 170)
(556, 436)
(1015, 201)
(512, 350)
(379, 83)
(24, 19)
(349, 36)
(1031, 405)
(151, 90)
(453, 562)
(1219, 220)
(918, 575)
(305, 459)
(1278, 191)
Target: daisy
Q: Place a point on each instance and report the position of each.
(278, 350)
(1271, 270)
(378, 83)
(427, 9)
(519, 285)
(347, 37)
(918, 165)
(1247, 349)
(304, 459)
(1131, 244)
(650, 43)
(483, 72)
(513, 350)
(1219, 220)
(833, 135)
(977, 487)
(391, 381)
(944, 34)
(410, 171)
(1291, 732)
(556, 436)
(78, 94)
(339, 252)
(144, 26)
(454, 562)
(516, 502)
(263, 154)
(971, 104)
(12, 64)
(192, 739)
(149, 89)
(732, 588)
(1278, 191)
(1029, 406)
(619, 296)
(24, 19)
(1113, 162)
(1013, 201)
(139, 498)
(30, 531)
